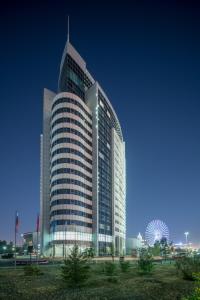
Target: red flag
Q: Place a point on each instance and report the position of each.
(16, 222)
(38, 223)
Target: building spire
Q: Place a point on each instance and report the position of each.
(68, 29)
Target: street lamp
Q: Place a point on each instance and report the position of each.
(186, 237)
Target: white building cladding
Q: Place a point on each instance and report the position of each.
(83, 191)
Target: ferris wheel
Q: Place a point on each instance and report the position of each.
(155, 231)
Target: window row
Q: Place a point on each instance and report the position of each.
(111, 118)
(71, 130)
(105, 211)
(105, 199)
(69, 222)
(71, 111)
(105, 231)
(72, 202)
(72, 87)
(105, 165)
(72, 65)
(75, 78)
(70, 192)
(72, 151)
(71, 181)
(66, 160)
(69, 100)
(104, 149)
(71, 171)
(106, 187)
(72, 141)
(70, 212)
(72, 121)
(104, 219)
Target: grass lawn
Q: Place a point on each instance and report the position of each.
(162, 284)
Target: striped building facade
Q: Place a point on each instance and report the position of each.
(83, 182)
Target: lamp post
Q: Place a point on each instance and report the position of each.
(186, 237)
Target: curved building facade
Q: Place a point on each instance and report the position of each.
(83, 186)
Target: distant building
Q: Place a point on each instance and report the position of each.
(83, 172)
(31, 239)
(134, 244)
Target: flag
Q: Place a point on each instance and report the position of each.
(37, 223)
(16, 231)
(16, 222)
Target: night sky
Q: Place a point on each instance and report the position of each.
(146, 56)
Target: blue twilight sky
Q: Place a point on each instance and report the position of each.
(146, 57)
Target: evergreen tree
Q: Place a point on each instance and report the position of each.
(76, 268)
(156, 249)
(145, 262)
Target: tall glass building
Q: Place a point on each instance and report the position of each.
(83, 172)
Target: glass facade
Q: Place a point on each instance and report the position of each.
(105, 178)
(73, 80)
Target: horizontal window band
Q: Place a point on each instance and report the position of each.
(73, 101)
(70, 192)
(71, 181)
(54, 223)
(73, 131)
(73, 151)
(70, 235)
(71, 171)
(72, 121)
(70, 212)
(71, 111)
(72, 141)
(70, 202)
(67, 160)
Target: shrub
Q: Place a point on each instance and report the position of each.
(110, 271)
(99, 268)
(196, 293)
(32, 270)
(188, 266)
(109, 268)
(124, 266)
(89, 252)
(76, 268)
(145, 262)
(155, 250)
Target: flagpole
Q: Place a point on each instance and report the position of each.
(15, 238)
(37, 229)
(37, 247)
(15, 246)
